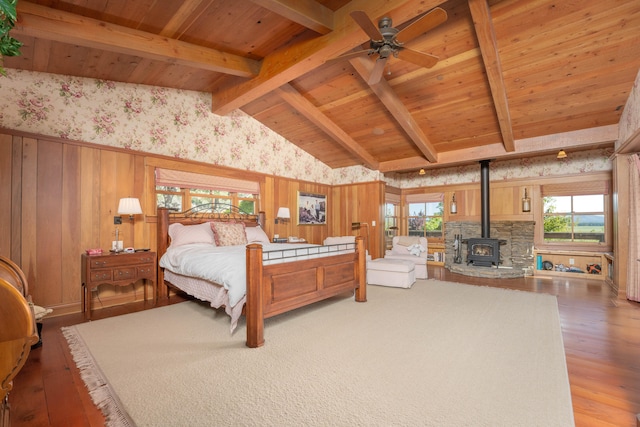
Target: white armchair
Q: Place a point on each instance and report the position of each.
(411, 249)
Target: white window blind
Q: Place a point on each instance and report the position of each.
(175, 178)
(425, 197)
(575, 189)
(394, 199)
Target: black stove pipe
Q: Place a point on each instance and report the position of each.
(484, 199)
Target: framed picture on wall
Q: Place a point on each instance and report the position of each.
(312, 208)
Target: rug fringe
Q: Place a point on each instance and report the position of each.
(102, 395)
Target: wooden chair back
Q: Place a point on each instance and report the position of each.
(13, 274)
(17, 334)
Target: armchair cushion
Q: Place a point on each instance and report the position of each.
(409, 246)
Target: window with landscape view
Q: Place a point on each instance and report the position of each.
(182, 190)
(426, 219)
(574, 219)
(186, 198)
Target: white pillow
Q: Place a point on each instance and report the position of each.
(186, 234)
(256, 235)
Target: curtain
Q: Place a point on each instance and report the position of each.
(633, 273)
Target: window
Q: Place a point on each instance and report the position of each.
(186, 198)
(575, 213)
(426, 219)
(390, 223)
(575, 218)
(185, 190)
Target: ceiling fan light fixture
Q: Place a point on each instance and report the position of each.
(561, 155)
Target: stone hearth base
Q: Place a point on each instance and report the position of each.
(516, 255)
(488, 272)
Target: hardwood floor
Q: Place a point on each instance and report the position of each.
(601, 337)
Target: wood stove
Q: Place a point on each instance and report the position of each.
(484, 251)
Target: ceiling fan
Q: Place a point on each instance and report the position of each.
(387, 41)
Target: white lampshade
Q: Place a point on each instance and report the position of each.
(129, 206)
(283, 213)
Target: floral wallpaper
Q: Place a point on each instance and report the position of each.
(575, 163)
(180, 124)
(630, 120)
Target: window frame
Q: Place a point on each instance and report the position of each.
(427, 218)
(187, 194)
(391, 222)
(581, 189)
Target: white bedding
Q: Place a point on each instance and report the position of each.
(224, 265)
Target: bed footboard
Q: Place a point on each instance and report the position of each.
(278, 288)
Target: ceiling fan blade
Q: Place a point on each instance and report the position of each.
(378, 69)
(355, 54)
(421, 59)
(367, 26)
(431, 20)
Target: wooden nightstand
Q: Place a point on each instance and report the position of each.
(122, 269)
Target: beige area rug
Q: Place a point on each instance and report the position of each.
(438, 354)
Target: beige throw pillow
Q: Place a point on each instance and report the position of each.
(229, 233)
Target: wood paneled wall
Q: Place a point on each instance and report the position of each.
(505, 201)
(59, 198)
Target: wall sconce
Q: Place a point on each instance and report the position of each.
(129, 206)
(283, 215)
(453, 208)
(561, 155)
(526, 202)
(421, 172)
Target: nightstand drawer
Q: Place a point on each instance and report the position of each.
(107, 261)
(147, 272)
(100, 275)
(124, 273)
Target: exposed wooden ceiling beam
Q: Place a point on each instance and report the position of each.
(285, 65)
(290, 95)
(184, 12)
(50, 24)
(582, 139)
(489, 47)
(394, 105)
(308, 13)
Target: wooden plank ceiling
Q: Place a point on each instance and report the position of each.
(515, 78)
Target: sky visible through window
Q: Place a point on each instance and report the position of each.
(593, 203)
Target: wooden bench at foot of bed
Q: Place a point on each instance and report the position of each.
(278, 288)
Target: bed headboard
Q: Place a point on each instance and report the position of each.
(199, 214)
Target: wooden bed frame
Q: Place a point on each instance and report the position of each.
(274, 288)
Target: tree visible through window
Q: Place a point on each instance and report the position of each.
(390, 222)
(426, 219)
(186, 198)
(574, 219)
